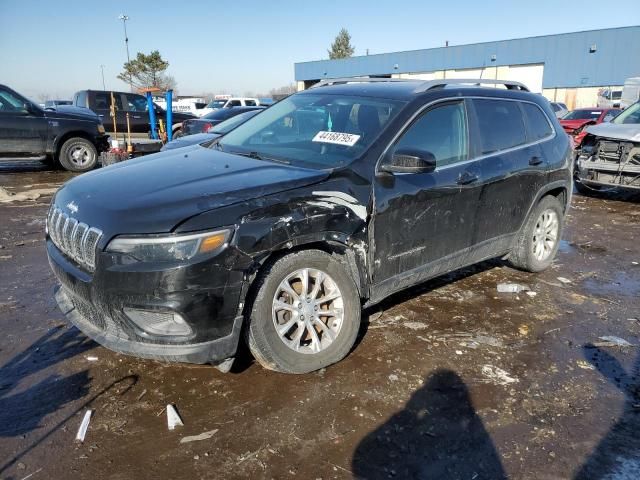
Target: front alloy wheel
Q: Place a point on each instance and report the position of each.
(305, 314)
(308, 311)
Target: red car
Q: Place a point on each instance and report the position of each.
(575, 122)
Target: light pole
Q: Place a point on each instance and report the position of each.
(103, 85)
(124, 19)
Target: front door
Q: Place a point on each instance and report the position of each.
(137, 108)
(423, 223)
(23, 128)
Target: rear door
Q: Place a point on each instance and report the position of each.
(507, 135)
(23, 130)
(424, 222)
(137, 108)
(101, 104)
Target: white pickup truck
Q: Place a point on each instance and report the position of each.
(228, 103)
(192, 105)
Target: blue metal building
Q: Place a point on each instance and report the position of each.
(594, 58)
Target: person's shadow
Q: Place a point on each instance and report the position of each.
(619, 450)
(438, 435)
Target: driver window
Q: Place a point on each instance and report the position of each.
(441, 131)
(11, 103)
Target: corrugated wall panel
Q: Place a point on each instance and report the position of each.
(567, 60)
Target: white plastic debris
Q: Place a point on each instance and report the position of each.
(532, 294)
(202, 436)
(498, 375)
(92, 359)
(612, 341)
(564, 280)
(82, 431)
(173, 419)
(511, 288)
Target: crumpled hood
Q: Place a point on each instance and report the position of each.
(154, 194)
(629, 132)
(577, 123)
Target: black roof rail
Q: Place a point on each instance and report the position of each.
(425, 85)
(441, 83)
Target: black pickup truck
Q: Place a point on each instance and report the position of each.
(126, 102)
(68, 136)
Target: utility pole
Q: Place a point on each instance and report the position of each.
(124, 19)
(103, 85)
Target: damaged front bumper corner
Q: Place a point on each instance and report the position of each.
(214, 351)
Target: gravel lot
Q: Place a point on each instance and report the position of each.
(448, 380)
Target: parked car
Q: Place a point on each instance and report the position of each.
(136, 105)
(610, 154)
(560, 109)
(201, 125)
(231, 102)
(334, 198)
(576, 122)
(72, 138)
(608, 98)
(52, 104)
(630, 92)
(214, 132)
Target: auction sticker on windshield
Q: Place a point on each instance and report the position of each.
(337, 138)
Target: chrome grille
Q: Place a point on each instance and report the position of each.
(76, 240)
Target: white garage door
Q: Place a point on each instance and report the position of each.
(530, 75)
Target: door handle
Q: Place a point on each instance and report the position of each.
(136, 116)
(535, 161)
(101, 115)
(466, 178)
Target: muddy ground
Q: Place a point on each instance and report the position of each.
(448, 380)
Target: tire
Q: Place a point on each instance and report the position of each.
(312, 352)
(531, 254)
(78, 155)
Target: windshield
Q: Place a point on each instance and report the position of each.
(313, 130)
(616, 95)
(233, 122)
(630, 115)
(583, 115)
(217, 104)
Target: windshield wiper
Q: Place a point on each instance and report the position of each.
(256, 156)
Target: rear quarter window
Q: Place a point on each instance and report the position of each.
(537, 124)
(500, 123)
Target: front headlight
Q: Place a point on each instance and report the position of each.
(168, 248)
(101, 128)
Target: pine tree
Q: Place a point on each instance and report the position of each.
(341, 46)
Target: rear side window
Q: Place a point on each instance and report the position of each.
(537, 123)
(441, 131)
(81, 99)
(501, 125)
(250, 103)
(103, 101)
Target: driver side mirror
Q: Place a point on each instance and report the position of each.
(409, 160)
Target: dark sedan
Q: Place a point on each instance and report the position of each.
(212, 133)
(201, 125)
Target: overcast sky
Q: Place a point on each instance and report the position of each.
(56, 47)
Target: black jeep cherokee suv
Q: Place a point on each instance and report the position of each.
(332, 199)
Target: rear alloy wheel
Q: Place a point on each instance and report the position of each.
(306, 313)
(539, 238)
(78, 155)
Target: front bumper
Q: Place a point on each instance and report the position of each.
(205, 294)
(102, 143)
(212, 351)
